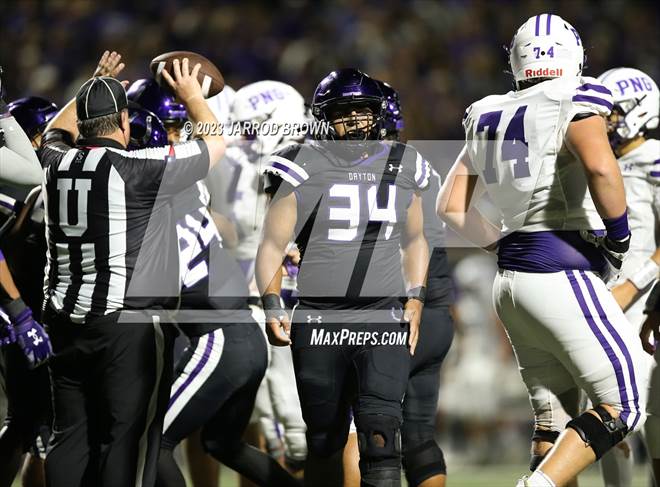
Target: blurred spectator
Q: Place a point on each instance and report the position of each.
(484, 410)
(441, 56)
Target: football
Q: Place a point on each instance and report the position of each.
(209, 76)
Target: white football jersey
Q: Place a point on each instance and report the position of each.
(234, 185)
(516, 145)
(221, 104)
(643, 162)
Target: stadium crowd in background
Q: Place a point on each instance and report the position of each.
(440, 56)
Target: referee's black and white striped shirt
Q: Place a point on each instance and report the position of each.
(111, 240)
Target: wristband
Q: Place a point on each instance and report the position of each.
(617, 228)
(272, 301)
(16, 310)
(645, 274)
(2, 256)
(418, 293)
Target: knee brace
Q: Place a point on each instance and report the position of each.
(548, 436)
(379, 442)
(422, 457)
(601, 435)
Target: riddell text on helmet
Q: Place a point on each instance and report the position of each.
(538, 73)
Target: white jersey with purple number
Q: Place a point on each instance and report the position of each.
(516, 145)
(580, 338)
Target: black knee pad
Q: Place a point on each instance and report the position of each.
(422, 457)
(601, 435)
(379, 441)
(542, 435)
(424, 461)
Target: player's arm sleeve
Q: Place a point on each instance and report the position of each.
(422, 172)
(415, 171)
(19, 164)
(283, 174)
(591, 98)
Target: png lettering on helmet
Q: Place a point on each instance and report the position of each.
(266, 97)
(542, 72)
(640, 83)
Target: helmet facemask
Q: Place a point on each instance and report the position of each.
(354, 119)
(622, 123)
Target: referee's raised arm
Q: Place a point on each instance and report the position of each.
(185, 86)
(188, 90)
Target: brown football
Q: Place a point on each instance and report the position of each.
(209, 76)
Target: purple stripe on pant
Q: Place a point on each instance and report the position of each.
(618, 371)
(198, 368)
(619, 342)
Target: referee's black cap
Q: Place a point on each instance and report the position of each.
(99, 96)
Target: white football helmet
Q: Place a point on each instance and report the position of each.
(272, 113)
(636, 99)
(546, 46)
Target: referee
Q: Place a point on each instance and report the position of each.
(111, 380)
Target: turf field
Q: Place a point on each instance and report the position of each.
(490, 476)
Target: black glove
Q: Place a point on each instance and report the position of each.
(614, 252)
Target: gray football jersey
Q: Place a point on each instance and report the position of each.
(351, 212)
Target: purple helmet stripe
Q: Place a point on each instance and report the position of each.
(594, 87)
(195, 372)
(547, 24)
(538, 25)
(618, 371)
(593, 99)
(287, 170)
(619, 341)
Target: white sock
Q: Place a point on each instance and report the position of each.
(539, 479)
(617, 468)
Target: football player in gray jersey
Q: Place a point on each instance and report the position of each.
(352, 203)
